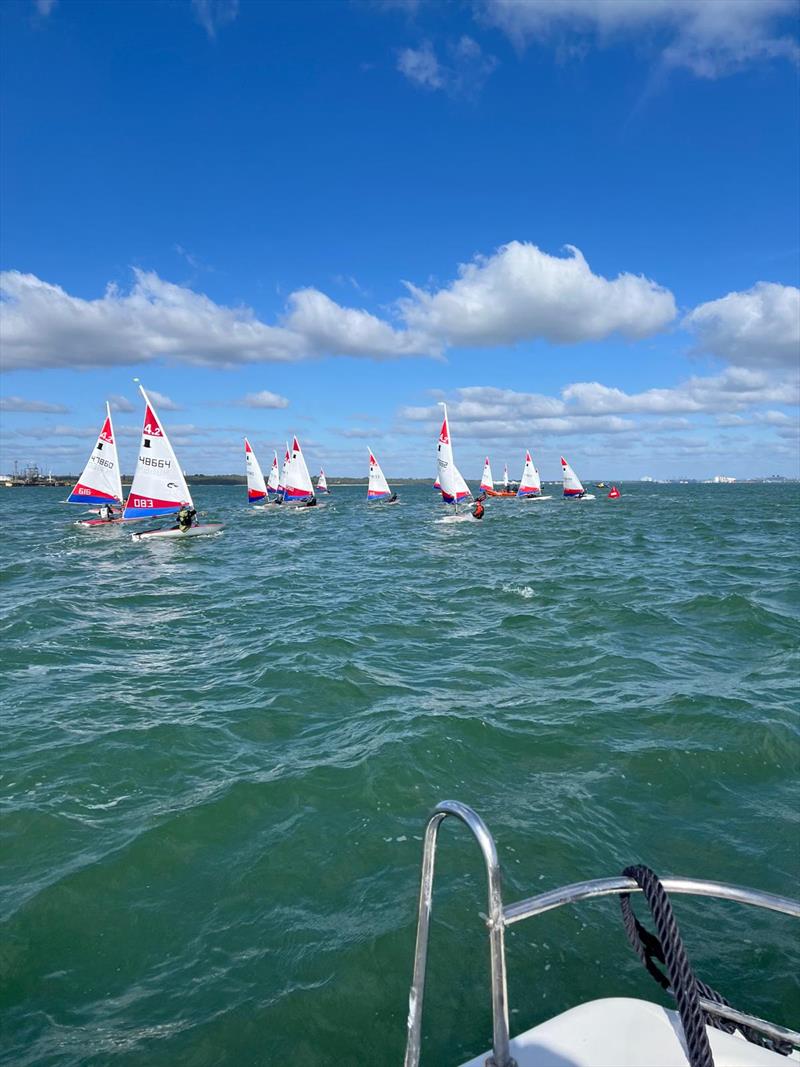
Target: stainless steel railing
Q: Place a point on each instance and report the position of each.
(499, 917)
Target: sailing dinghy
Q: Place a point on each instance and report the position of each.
(378, 491)
(505, 490)
(455, 490)
(487, 484)
(298, 490)
(159, 487)
(284, 469)
(256, 486)
(274, 487)
(100, 484)
(573, 487)
(322, 484)
(530, 484)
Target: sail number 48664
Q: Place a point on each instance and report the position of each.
(161, 464)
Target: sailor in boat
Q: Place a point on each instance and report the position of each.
(478, 508)
(392, 498)
(107, 513)
(186, 518)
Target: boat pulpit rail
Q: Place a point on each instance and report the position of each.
(499, 917)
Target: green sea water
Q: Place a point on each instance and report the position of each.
(218, 757)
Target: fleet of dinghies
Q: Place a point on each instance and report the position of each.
(159, 487)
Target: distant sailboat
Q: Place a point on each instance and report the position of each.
(454, 489)
(298, 489)
(284, 468)
(256, 486)
(487, 484)
(378, 491)
(322, 483)
(530, 484)
(505, 477)
(573, 487)
(100, 482)
(274, 487)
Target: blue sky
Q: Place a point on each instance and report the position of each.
(322, 218)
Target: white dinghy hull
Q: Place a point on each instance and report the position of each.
(203, 530)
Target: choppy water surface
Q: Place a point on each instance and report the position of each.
(219, 755)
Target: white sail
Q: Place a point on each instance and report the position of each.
(100, 482)
(505, 476)
(284, 469)
(159, 486)
(530, 484)
(454, 488)
(486, 481)
(378, 488)
(572, 483)
(322, 483)
(256, 486)
(274, 487)
(298, 480)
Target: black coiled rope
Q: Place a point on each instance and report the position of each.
(667, 949)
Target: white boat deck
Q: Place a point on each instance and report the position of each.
(623, 1032)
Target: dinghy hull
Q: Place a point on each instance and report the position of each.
(203, 530)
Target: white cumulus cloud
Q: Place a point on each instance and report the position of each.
(482, 412)
(17, 403)
(265, 399)
(120, 403)
(164, 403)
(328, 327)
(709, 37)
(759, 327)
(44, 326)
(521, 293)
